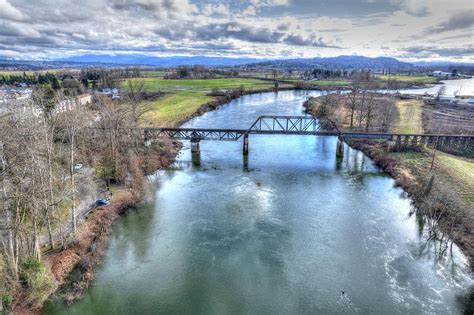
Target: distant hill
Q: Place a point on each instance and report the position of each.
(442, 64)
(340, 62)
(137, 59)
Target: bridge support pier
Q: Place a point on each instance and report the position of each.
(246, 144)
(339, 148)
(195, 146)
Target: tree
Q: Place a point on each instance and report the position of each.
(133, 94)
(72, 122)
(55, 84)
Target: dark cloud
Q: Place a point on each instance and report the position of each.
(215, 31)
(462, 20)
(426, 51)
(312, 40)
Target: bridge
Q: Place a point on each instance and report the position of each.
(298, 125)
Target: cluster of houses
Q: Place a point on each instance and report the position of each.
(22, 105)
(114, 93)
(448, 75)
(9, 94)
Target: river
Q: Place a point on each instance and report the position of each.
(286, 232)
(464, 87)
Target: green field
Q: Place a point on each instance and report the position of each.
(184, 97)
(174, 107)
(162, 85)
(409, 78)
(323, 82)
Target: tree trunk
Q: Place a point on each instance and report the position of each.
(73, 187)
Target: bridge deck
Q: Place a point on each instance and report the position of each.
(285, 125)
(236, 134)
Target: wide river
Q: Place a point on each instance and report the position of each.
(285, 232)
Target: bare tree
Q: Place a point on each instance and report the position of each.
(134, 93)
(72, 123)
(352, 103)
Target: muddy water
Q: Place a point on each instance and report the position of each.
(291, 230)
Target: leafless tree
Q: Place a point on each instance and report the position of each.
(71, 123)
(133, 94)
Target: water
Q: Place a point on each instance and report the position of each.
(283, 233)
(463, 87)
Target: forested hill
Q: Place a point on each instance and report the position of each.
(340, 62)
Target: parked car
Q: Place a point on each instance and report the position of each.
(102, 202)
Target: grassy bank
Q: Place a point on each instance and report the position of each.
(174, 107)
(184, 98)
(422, 79)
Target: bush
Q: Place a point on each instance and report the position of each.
(7, 300)
(35, 277)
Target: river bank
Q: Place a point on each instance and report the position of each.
(431, 192)
(442, 192)
(72, 269)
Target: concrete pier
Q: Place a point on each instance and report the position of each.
(339, 148)
(246, 144)
(195, 146)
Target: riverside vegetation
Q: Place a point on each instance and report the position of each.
(440, 184)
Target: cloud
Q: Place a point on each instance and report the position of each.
(269, 3)
(427, 51)
(217, 9)
(9, 12)
(311, 40)
(162, 9)
(249, 11)
(417, 8)
(14, 29)
(461, 20)
(256, 28)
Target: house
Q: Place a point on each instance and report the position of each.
(83, 99)
(442, 74)
(448, 99)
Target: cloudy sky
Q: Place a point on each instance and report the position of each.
(405, 29)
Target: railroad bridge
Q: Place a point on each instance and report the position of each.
(298, 125)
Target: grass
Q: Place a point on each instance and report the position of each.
(322, 82)
(174, 107)
(184, 97)
(459, 174)
(410, 117)
(409, 78)
(158, 84)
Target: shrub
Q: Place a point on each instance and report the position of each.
(7, 300)
(35, 277)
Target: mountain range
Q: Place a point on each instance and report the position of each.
(340, 62)
(172, 61)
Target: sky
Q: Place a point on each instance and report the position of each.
(405, 29)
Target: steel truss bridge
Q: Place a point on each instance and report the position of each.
(289, 125)
(292, 125)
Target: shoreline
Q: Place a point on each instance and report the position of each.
(415, 186)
